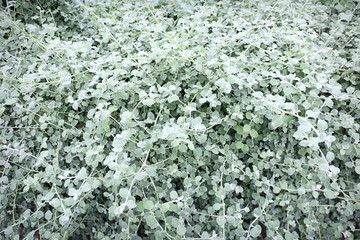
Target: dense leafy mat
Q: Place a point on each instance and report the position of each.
(180, 119)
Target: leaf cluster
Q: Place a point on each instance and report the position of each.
(179, 119)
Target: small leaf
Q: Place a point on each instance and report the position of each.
(8, 230)
(173, 195)
(301, 191)
(86, 187)
(253, 133)
(246, 128)
(277, 121)
(334, 170)
(10, 101)
(123, 192)
(113, 108)
(82, 174)
(151, 221)
(181, 230)
(131, 204)
(191, 146)
(119, 210)
(172, 98)
(239, 145)
(288, 236)
(322, 125)
(148, 102)
(313, 114)
(140, 176)
(330, 156)
(48, 215)
(106, 125)
(63, 220)
(223, 85)
(148, 205)
(55, 202)
(196, 123)
(346, 16)
(239, 129)
(255, 231)
(221, 220)
(329, 194)
(183, 148)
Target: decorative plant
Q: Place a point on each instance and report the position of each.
(180, 119)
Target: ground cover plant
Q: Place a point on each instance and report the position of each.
(179, 119)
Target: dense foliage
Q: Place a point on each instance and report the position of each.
(180, 119)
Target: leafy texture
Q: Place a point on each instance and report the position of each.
(180, 119)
